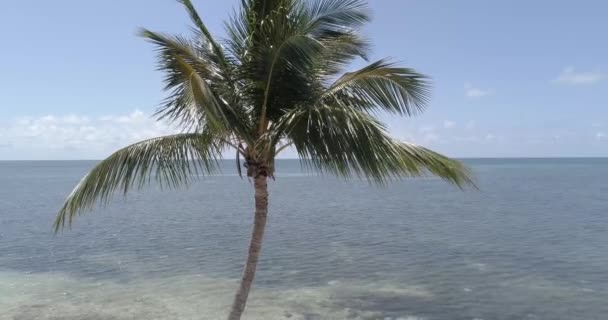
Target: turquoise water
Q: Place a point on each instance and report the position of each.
(531, 244)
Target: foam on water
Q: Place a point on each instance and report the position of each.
(59, 296)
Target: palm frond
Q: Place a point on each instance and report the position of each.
(201, 95)
(207, 37)
(285, 53)
(264, 8)
(381, 86)
(329, 16)
(173, 53)
(296, 54)
(338, 53)
(195, 89)
(170, 160)
(276, 57)
(244, 27)
(195, 85)
(418, 161)
(344, 141)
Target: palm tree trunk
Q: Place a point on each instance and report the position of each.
(255, 246)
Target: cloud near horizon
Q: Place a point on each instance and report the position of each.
(474, 92)
(76, 136)
(573, 77)
(473, 139)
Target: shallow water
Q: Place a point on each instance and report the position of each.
(531, 244)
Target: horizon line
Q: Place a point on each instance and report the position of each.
(457, 158)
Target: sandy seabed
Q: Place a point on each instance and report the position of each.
(59, 296)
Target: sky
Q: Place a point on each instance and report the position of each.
(513, 78)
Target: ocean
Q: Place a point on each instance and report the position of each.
(531, 243)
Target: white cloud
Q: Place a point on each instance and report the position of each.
(447, 124)
(601, 136)
(490, 137)
(76, 136)
(473, 92)
(75, 119)
(570, 76)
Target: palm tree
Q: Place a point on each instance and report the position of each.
(276, 81)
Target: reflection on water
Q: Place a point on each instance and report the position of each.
(530, 245)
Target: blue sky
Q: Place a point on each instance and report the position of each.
(510, 78)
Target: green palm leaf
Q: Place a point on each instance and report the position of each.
(205, 35)
(345, 141)
(200, 94)
(381, 86)
(193, 100)
(329, 16)
(185, 69)
(170, 160)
